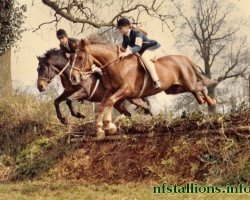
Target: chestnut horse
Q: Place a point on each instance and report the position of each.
(54, 63)
(125, 79)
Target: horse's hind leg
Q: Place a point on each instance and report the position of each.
(192, 85)
(208, 99)
(121, 108)
(142, 103)
(198, 97)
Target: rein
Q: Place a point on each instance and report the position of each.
(118, 52)
(49, 80)
(84, 74)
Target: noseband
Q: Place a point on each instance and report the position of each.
(49, 79)
(84, 62)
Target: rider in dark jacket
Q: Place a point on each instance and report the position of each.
(131, 39)
(67, 45)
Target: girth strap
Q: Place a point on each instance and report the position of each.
(95, 88)
(146, 75)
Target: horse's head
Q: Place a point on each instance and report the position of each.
(49, 65)
(82, 62)
(45, 74)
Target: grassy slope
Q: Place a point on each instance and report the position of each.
(53, 191)
(33, 146)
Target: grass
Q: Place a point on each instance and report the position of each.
(59, 190)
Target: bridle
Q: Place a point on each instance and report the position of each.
(86, 60)
(85, 75)
(49, 79)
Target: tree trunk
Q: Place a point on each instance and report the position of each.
(249, 91)
(211, 109)
(5, 75)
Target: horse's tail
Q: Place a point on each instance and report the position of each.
(202, 77)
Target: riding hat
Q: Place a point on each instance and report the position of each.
(61, 33)
(123, 22)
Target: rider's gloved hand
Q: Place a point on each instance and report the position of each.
(94, 69)
(67, 55)
(126, 53)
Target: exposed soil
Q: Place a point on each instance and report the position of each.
(197, 148)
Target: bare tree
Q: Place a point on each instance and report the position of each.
(106, 35)
(93, 13)
(215, 38)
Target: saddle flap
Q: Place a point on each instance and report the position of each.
(141, 62)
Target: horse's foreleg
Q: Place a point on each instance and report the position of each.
(100, 131)
(72, 111)
(118, 95)
(57, 102)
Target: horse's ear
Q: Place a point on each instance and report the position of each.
(84, 42)
(38, 58)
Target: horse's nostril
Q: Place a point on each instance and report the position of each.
(40, 87)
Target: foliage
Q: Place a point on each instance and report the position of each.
(11, 21)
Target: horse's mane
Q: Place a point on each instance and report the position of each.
(95, 39)
(51, 53)
(99, 41)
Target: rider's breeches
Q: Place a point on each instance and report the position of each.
(146, 58)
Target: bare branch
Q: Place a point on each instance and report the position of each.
(89, 15)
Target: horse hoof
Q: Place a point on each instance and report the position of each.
(100, 135)
(79, 115)
(203, 101)
(64, 121)
(213, 102)
(112, 129)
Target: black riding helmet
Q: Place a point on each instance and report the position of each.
(123, 22)
(61, 33)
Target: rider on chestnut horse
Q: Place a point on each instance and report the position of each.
(135, 41)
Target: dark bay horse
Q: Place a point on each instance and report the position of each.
(91, 88)
(125, 79)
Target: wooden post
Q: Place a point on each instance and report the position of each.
(5, 74)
